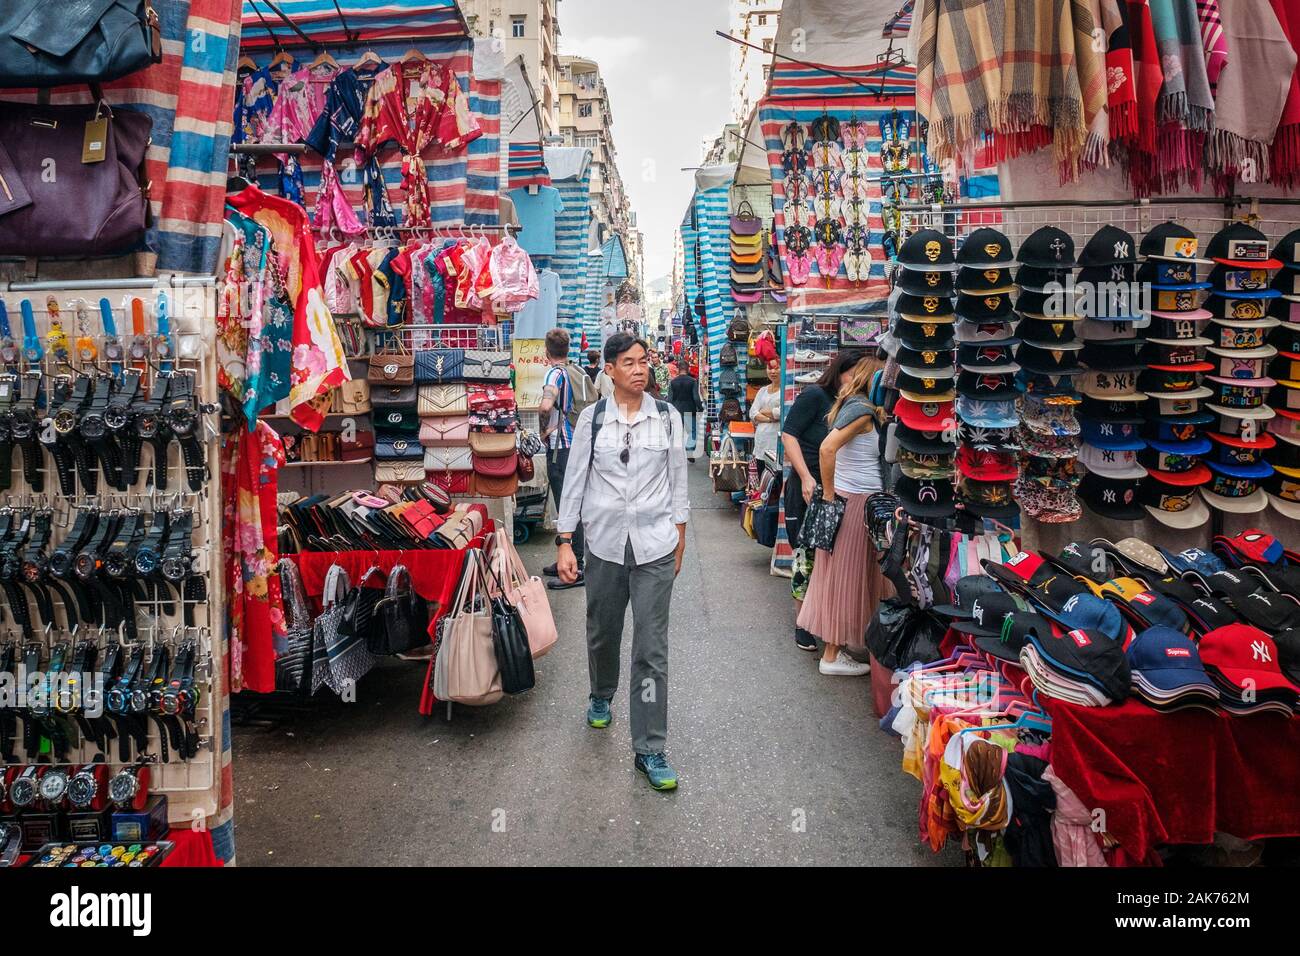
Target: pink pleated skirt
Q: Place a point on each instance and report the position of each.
(846, 584)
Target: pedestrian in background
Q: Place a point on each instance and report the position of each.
(626, 486)
(593, 363)
(802, 435)
(846, 583)
(684, 395)
(557, 432)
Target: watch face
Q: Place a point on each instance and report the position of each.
(116, 417)
(60, 563)
(34, 569)
(23, 792)
(122, 788)
(65, 420)
(93, 427)
(170, 702)
(22, 426)
(174, 569)
(53, 786)
(146, 424)
(85, 565)
(146, 561)
(117, 700)
(116, 563)
(82, 789)
(181, 420)
(139, 701)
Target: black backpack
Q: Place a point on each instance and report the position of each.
(730, 412)
(728, 355)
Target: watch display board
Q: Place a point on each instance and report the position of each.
(111, 586)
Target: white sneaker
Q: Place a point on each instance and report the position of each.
(809, 357)
(808, 378)
(843, 666)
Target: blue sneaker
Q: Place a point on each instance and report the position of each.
(657, 770)
(598, 714)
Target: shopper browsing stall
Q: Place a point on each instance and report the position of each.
(557, 410)
(626, 485)
(846, 582)
(684, 395)
(765, 413)
(802, 435)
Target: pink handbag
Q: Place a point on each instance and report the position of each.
(445, 431)
(527, 593)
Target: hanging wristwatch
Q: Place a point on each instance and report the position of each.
(22, 427)
(151, 427)
(121, 406)
(178, 555)
(8, 347)
(148, 556)
(60, 449)
(10, 565)
(118, 700)
(94, 429)
(32, 552)
(83, 786)
(54, 786)
(89, 562)
(8, 392)
(129, 787)
(66, 417)
(183, 421)
(25, 788)
(63, 559)
(169, 727)
(119, 559)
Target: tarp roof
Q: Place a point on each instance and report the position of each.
(832, 32)
(361, 21)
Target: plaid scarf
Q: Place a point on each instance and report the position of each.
(1253, 91)
(1213, 41)
(1284, 154)
(1008, 67)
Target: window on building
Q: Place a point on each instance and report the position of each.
(589, 140)
(584, 110)
(517, 27)
(767, 46)
(762, 19)
(767, 73)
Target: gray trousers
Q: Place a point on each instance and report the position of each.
(649, 587)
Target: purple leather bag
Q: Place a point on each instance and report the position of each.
(53, 204)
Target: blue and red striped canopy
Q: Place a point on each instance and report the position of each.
(367, 20)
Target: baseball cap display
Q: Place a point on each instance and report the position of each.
(987, 385)
(925, 416)
(1171, 242)
(921, 441)
(985, 247)
(923, 334)
(1110, 462)
(1167, 670)
(1113, 498)
(1048, 359)
(1243, 246)
(1235, 489)
(1243, 662)
(983, 308)
(1082, 655)
(925, 387)
(987, 414)
(981, 280)
(927, 498)
(965, 593)
(927, 250)
(925, 308)
(918, 282)
(1007, 644)
(1047, 248)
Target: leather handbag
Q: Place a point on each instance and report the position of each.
(293, 652)
(444, 432)
(457, 458)
(354, 398)
(728, 471)
(495, 467)
(389, 396)
(528, 594)
(439, 366)
(492, 444)
(397, 448)
(487, 365)
(473, 676)
(728, 355)
(738, 329)
(457, 532)
(360, 448)
(510, 643)
(89, 41)
(452, 482)
(399, 472)
(483, 398)
(402, 420)
(53, 203)
(391, 368)
(437, 497)
(401, 618)
(437, 400)
(489, 486)
(527, 471)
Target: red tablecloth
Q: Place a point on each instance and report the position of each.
(193, 848)
(1177, 778)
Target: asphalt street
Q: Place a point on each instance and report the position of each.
(777, 764)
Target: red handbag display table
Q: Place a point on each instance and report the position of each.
(1180, 777)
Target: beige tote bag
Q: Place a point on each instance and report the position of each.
(472, 674)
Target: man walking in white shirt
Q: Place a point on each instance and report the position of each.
(626, 485)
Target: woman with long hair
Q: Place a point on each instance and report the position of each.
(847, 582)
(802, 435)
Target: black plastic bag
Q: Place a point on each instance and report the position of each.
(900, 633)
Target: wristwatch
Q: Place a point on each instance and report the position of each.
(151, 427)
(118, 416)
(66, 417)
(148, 556)
(83, 787)
(54, 786)
(129, 787)
(25, 788)
(94, 430)
(89, 561)
(178, 554)
(63, 558)
(118, 700)
(30, 569)
(22, 428)
(11, 546)
(182, 412)
(60, 449)
(8, 391)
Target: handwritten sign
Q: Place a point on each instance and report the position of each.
(530, 372)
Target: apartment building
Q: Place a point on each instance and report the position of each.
(753, 21)
(585, 119)
(527, 28)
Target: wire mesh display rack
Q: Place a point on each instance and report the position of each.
(166, 618)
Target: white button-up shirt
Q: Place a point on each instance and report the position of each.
(642, 501)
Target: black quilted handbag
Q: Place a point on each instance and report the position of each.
(400, 622)
(821, 524)
(439, 366)
(510, 643)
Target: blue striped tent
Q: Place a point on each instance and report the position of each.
(594, 298)
(572, 232)
(713, 243)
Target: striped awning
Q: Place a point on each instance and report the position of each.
(528, 166)
(901, 22)
(366, 20)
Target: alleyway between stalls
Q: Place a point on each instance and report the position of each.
(778, 764)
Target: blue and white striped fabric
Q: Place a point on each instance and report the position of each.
(572, 228)
(712, 212)
(594, 299)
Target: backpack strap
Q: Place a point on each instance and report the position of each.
(597, 423)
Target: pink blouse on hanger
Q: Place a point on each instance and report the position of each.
(512, 278)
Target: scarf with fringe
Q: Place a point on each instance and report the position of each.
(1253, 91)
(1284, 155)
(1185, 109)
(1138, 154)
(1213, 41)
(1121, 86)
(1011, 68)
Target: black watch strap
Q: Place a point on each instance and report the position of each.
(23, 428)
(59, 446)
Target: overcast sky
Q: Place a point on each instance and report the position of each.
(669, 87)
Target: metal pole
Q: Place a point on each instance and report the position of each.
(119, 285)
(293, 26)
